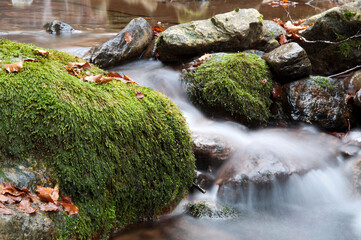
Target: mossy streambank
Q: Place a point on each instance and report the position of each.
(236, 84)
(122, 159)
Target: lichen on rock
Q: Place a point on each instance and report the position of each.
(121, 159)
(238, 85)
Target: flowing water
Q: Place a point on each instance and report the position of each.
(318, 204)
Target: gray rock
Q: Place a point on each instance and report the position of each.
(117, 50)
(211, 151)
(58, 27)
(289, 62)
(271, 34)
(334, 25)
(24, 226)
(232, 31)
(317, 100)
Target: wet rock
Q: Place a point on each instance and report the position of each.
(317, 100)
(260, 164)
(211, 151)
(118, 50)
(334, 25)
(350, 149)
(209, 208)
(289, 62)
(356, 176)
(271, 34)
(353, 82)
(58, 27)
(233, 31)
(21, 225)
(205, 180)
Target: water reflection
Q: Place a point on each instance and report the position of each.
(21, 3)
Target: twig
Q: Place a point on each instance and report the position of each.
(347, 71)
(329, 42)
(199, 188)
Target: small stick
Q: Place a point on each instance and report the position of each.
(199, 188)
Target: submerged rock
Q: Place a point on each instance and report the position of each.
(289, 62)
(233, 31)
(128, 44)
(210, 209)
(121, 159)
(232, 85)
(317, 100)
(58, 27)
(334, 25)
(211, 151)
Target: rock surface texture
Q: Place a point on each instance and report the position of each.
(334, 25)
(232, 31)
(58, 27)
(289, 62)
(128, 44)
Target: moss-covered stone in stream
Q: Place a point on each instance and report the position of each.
(121, 159)
(238, 84)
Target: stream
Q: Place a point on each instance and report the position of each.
(319, 204)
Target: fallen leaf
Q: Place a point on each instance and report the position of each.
(26, 207)
(68, 205)
(5, 199)
(283, 39)
(9, 188)
(129, 80)
(84, 65)
(128, 37)
(98, 79)
(139, 95)
(292, 28)
(264, 81)
(276, 92)
(31, 60)
(42, 52)
(113, 74)
(48, 194)
(14, 67)
(299, 22)
(204, 57)
(34, 198)
(49, 207)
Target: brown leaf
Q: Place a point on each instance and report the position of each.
(98, 79)
(139, 95)
(31, 60)
(299, 22)
(128, 37)
(14, 67)
(69, 206)
(48, 194)
(34, 198)
(4, 210)
(26, 207)
(292, 28)
(204, 57)
(9, 188)
(42, 52)
(276, 92)
(113, 74)
(283, 39)
(78, 65)
(5, 199)
(49, 207)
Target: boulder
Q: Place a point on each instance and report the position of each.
(229, 32)
(317, 100)
(260, 165)
(58, 27)
(237, 86)
(122, 159)
(271, 34)
(289, 62)
(210, 151)
(334, 25)
(353, 82)
(128, 44)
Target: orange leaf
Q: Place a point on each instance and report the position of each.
(98, 79)
(113, 74)
(283, 39)
(48, 194)
(276, 92)
(69, 206)
(139, 95)
(204, 57)
(49, 207)
(128, 37)
(299, 22)
(26, 207)
(85, 65)
(5, 199)
(42, 52)
(14, 67)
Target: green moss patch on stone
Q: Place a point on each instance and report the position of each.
(212, 210)
(349, 15)
(121, 159)
(323, 82)
(233, 83)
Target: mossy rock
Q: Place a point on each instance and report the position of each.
(210, 209)
(122, 159)
(235, 84)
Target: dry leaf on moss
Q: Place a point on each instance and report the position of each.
(14, 67)
(42, 52)
(49, 207)
(48, 194)
(68, 205)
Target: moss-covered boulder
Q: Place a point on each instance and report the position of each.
(122, 159)
(238, 85)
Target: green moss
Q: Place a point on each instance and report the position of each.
(233, 83)
(323, 82)
(203, 209)
(123, 160)
(349, 15)
(236, 9)
(347, 47)
(260, 18)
